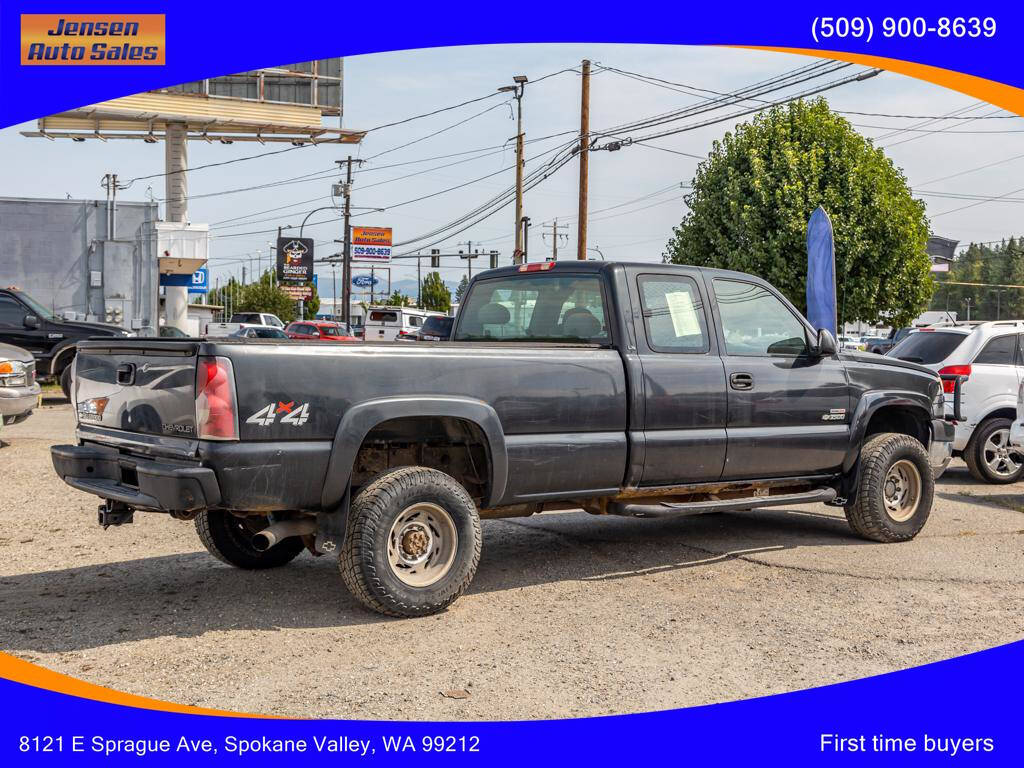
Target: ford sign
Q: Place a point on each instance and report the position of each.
(365, 281)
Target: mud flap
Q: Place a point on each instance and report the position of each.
(330, 526)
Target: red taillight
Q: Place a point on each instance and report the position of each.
(950, 374)
(216, 411)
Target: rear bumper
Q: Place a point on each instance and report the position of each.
(139, 483)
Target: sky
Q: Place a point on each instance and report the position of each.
(635, 193)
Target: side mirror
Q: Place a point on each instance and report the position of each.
(31, 321)
(826, 343)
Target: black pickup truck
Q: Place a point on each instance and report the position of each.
(643, 390)
(51, 339)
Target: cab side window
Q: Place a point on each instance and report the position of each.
(756, 323)
(1001, 350)
(673, 314)
(12, 314)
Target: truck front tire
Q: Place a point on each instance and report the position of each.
(412, 543)
(894, 490)
(229, 539)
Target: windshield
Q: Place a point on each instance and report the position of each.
(927, 347)
(437, 326)
(36, 307)
(553, 308)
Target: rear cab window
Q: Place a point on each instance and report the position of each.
(928, 347)
(381, 316)
(564, 308)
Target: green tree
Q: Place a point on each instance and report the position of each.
(311, 305)
(434, 294)
(460, 291)
(397, 299)
(754, 193)
(265, 296)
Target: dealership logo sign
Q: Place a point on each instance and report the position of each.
(93, 39)
(294, 259)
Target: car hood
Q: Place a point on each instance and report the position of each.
(92, 329)
(11, 352)
(883, 360)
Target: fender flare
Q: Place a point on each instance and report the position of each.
(62, 349)
(867, 407)
(357, 422)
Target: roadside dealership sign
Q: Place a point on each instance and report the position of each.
(371, 244)
(294, 259)
(365, 281)
(197, 282)
(297, 292)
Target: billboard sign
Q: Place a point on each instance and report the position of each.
(294, 260)
(372, 244)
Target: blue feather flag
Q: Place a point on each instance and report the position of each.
(821, 272)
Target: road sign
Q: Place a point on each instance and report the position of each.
(371, 244)
(294, 259)
(365, 281)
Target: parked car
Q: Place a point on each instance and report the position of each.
(434, 328)
(51, 339)
(317, 330)
(170, 332)
(982, 367)
(390, 323)
(714, 394)
(896, 335)
(256, 318)
(19, 392)
(851, 343)
(259, 332)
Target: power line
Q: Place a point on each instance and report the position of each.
(980, 202)
(972, 170)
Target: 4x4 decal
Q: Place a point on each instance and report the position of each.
(295, 416)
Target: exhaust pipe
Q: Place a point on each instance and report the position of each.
(285, 529)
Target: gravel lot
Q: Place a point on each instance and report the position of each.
(569, 615)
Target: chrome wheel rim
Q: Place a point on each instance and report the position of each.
(999, 457)
(422, 544)
(901, 491)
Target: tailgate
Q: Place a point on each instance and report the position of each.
(142, 387)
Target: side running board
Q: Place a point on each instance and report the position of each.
(669, 509)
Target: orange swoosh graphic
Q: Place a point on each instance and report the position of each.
(20, 671)
(998, 94)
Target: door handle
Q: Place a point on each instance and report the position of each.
(741, 381)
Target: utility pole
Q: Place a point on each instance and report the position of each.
(346, 270)
(555, 234)
(419, 281)
(581, 238)
(469, 256)
(526, 241)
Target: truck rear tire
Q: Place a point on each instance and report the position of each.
(229, 539)
(894, 490)
(989, 456)
(412, 543)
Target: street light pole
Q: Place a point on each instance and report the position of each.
(518, 89)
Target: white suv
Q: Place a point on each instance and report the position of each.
(982, 367)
